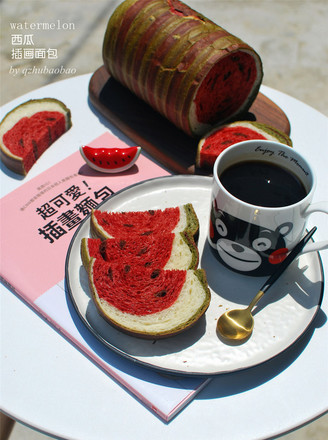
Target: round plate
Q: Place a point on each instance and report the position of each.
(281, 317)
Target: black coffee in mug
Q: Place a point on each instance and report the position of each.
(262, 183)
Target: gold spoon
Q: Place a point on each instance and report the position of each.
(237, 324)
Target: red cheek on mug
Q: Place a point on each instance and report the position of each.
(278, 256)
(211, 230)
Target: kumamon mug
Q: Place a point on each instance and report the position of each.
(253, 239)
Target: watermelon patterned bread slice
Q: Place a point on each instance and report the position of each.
(29, 129)
(186, 67)
(169, 251)
(143, 223)
(148, 303)
(211, 145)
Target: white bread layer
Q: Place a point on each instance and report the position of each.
(181, 255)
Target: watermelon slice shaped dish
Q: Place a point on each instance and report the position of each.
(110, 160)
(28, 130)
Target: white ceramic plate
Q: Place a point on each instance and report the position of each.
(283, 315)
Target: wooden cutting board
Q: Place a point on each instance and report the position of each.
(154, 133)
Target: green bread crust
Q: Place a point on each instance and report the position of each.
(192, 221)
(278, 134)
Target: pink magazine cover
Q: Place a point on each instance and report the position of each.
(38, 221)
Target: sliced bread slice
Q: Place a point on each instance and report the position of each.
(29, 129)
(169, 251)
(144, 223)
(148, 303)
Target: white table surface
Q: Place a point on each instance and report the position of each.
(49, 385)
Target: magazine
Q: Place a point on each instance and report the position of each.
(41, 218)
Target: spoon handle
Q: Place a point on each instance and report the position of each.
(291, 256)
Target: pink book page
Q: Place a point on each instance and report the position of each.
(39, 219)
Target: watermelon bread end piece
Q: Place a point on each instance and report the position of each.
(222, 137)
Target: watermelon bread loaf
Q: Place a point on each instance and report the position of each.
(186, 67)
(145, 280)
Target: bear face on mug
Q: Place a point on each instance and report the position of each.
(246, 247)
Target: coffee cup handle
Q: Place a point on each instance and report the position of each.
(321, 245)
